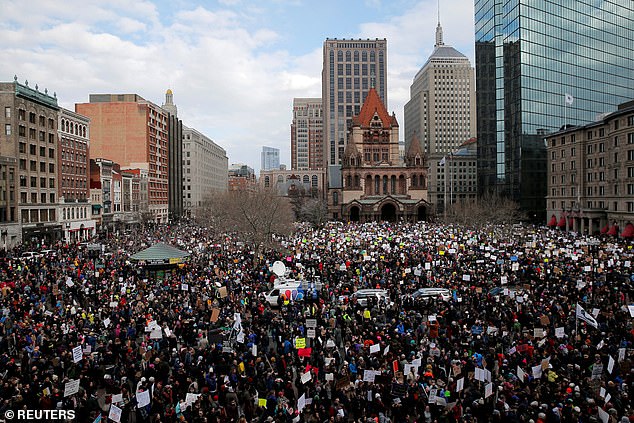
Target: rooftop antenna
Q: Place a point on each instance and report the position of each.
(439, 41)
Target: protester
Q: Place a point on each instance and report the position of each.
(537, 328)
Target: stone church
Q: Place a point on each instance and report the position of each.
(375, 183)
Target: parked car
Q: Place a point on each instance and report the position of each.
(31, 255)
(427, 293)
(361, 296)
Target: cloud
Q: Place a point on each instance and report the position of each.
(232, 72)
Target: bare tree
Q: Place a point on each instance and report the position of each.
(490, 209)
(315, 212)
(252, 216)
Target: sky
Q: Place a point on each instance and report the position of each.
(234, 65)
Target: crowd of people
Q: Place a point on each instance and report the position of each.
(539, 328)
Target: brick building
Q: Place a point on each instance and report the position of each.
(132, 132)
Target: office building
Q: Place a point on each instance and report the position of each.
(350, 68)
(270, 158)
(591, 176)
(205, 169)
(308, 183)
(539, 66)
(456, 177)
(132, 132)
(441, 111)
(175, 160)
(374, 184)
(307, 134)
(241, 178)
(73, 167)
(28, 156)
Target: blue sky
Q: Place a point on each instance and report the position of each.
(234, 65)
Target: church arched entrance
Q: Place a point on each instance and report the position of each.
(422, 213)
(388, 212)
(354, 214)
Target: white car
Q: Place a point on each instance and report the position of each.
(361, 296)
(440, 293)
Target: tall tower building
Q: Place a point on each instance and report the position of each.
(350, 68)
(307, 130)
(270, 158)
(175, 162)
(441, 112)
(133, 132)
(169, 105)
(539, 66)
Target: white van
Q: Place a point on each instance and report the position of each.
(272, 296)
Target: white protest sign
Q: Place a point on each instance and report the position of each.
(368, 376)
(559, 332)
(71, 387)
(610, 364)
(330, 377)
(488, 390)
(190, 399)
(142, 399)
(479, 374)
(605, 417)
(375, 348)
(115, 413)
(106, 322)
(77, 354)
(306, 377)
(116, 398)
(520, 374)
(460, 384)
(301, 403)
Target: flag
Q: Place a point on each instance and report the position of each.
(581, 314)
(442, 162)
(569, 99)
(98, 419)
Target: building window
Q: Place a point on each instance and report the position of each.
(7, 129)
(7, 112)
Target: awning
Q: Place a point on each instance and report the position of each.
(613, 230)
(629, 231)
(96, 206)
(605, 229)
(562, 222)
(553, 221)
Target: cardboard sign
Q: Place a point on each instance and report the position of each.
(115, 413)
(77, 354)
(342, 383)
(215, 313)
(142, 399)
(71, 387)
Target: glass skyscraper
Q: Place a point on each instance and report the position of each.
(270, 158)
(529, 55)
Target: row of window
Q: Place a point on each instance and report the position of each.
(69, 213)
